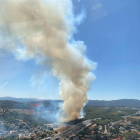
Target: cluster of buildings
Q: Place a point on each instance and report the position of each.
(21, 130)
(105, 132)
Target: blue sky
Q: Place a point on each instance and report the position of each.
(111, 34)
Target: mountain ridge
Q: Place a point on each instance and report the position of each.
(96, 103)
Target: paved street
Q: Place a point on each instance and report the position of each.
(71, 131)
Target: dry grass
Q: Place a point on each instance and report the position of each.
(23, 111)
(63, 129)
(136, 117)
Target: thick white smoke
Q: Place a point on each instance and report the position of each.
(45, 29)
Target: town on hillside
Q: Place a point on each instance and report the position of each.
(99, 123)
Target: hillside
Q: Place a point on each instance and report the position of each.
(115, 103)
(24, 103)
(18, 99)
(9, 104)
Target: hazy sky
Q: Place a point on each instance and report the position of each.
(111, 32)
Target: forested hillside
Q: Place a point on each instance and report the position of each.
(9, 104)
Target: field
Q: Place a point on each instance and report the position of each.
(135, 117)
(63, 129)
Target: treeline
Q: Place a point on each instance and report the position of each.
(6, 104)
(113, 113)
(31, 120)
(135, 121)
(12, 105)
(9, 104)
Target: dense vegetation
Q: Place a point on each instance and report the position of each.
(135, 121)
(6, 104)
(24, 103)
(113, 113)
(108, 113)
(131, 136)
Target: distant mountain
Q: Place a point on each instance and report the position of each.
(115, 103)
(26, 99)
(18, 99)
(93, 103)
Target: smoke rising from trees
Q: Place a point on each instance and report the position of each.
(43, 30)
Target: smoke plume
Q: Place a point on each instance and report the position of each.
(43, 30)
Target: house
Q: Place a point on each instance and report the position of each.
(111, 127)
(12, 125)
(16, 128)
(92, 127)
(1, 110)
(13, 132)
(92, 132)
(97, 119)
(134, 129)
(122, 128)
(21, 135)
(100, 127)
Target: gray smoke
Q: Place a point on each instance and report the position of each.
(43, 30)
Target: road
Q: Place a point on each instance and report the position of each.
(71, 131)
(105, 132)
